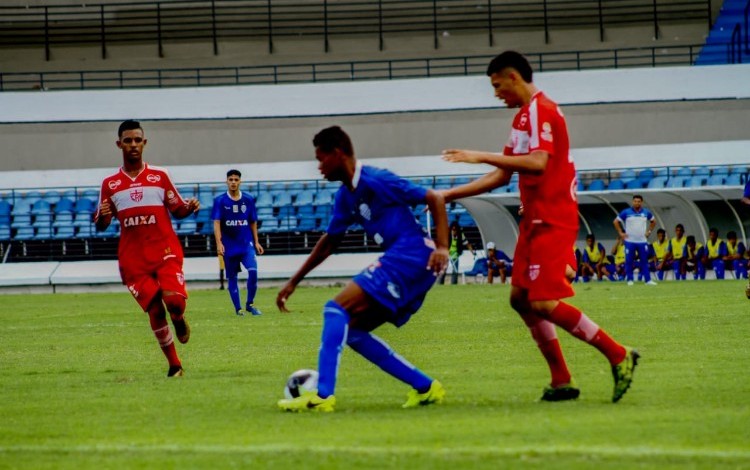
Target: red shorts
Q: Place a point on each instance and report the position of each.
(146, 285)
(542, 254)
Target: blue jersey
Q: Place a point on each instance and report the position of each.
(635, 224)
(235, 218)
(380, 203)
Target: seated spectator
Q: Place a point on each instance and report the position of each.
(695, 258)
(498, 264)
(678, 253)
(658, 255)
(617, 260)
(716, 250)
(594, 259)
(735, 258)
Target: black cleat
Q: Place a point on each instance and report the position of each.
(175, 371)
(561, 393)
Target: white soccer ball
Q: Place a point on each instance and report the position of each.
(300, 381)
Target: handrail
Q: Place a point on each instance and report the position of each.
(343, 71)
(735, 46)
(157, 22)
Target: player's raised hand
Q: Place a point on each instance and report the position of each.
(462, 156)
(283, 295)
(438, 261)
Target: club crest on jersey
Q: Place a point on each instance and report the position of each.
(364, 211)
(534, 272)
(523, 120)
(139, 220)
(181, 278)
(153, 178)
(546, 132)
(114, 184)
(243, 208)
(136, 195)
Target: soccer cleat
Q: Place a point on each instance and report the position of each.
(182, 330)
(652, 283)
(564, 392)
(308, 401)
(623, 373)
(253, 310)
(240, 313)
(747, 291)
(435, 394)
(175, 371)
(630, 283)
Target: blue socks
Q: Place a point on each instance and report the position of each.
(379, 353)
(234, 291)
(252, 286)
(332, 340)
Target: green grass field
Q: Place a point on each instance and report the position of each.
(82, 385)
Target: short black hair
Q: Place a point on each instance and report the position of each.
(514, 60)
(637, 196)
(690, 239)
(679, 226)
(590, 236)
(661, 230)
(128, 125)
(731, 234)
(234, 172)
(714, 230)
(332, 138)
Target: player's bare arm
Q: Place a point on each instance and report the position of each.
(320, 253)
(439, 258)
(481, 185)
(258, 247)
(620, 230)
(217, 237)
(191, 207)
(534, 162)
(103, 215)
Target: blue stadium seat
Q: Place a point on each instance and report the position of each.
(657, 182)
(737, 169)
(187, 191)
(307, 223)
(91, 194)
(676, 182)
(5, 209)
(323, 197)
(24, 233)
(636, 183)
(684, 172)
(52, 197)
(43, 232)
(268, 225)
(596, 185)
(646, 174)
(64, 205)
(305, 198)
(288, 224)
(719, 170)
(203, 215)
(206, 228)
(282, 198)
(627, 175)
(733, 179)
(465, 220)
(265, 199)
(82, 218)
(63, 231)
(306, 210)
(616, 184)
(695, 181)
(265, 213)
(4, 232)
(500, 190)
(716, 180)
(84, 205)
(205, 196)
(187, 226)
(85, 231)
(21, 220)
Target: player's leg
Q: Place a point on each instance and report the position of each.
(549, 282)
(629, 262)
(544, 334)
(718, 266)
(643, 262)
(454, 270)
(251, 264)
(157, 316)
(171, 281)
(232, 265)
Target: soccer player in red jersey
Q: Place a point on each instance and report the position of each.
(141, 196)
(538, 150)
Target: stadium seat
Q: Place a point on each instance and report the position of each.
(187, 226)
(288, 224)
(596, 185)
(43, 232)
(306, 210)
(282, 198)
(646, 175)
(63, 232)
(84, 205)
(85, 231)
(24, 233)
(676, 182)
(733, 179)
(323, 197)
(206, 228)
(695, 181)
(5, 210)
(304, 198)
(657, 182)
(91, 194)
(4, 232)
(268, 225)
(203, 215)
(82, 218)
(307, 223)
(500, 190)
(21, 220)
(684, 172)
(716, 180)
(466, 220)
(205, 196)
(52, 197)
(265, 199)
(187, 191)
(616, 184)
(627, 175)
(636, 183)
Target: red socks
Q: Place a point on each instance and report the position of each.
(163, 335)
(545, 336)
(579, 325)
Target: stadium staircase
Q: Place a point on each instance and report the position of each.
(727, 42)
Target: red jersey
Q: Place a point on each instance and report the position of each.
(548, 198)
(142, 205)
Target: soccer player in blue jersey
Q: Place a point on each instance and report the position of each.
(236, 232)
(390, 290)
(634, 225)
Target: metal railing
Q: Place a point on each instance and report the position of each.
(158, 22)
(342, 71)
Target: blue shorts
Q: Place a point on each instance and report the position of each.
(399, 280)
(247, 259)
